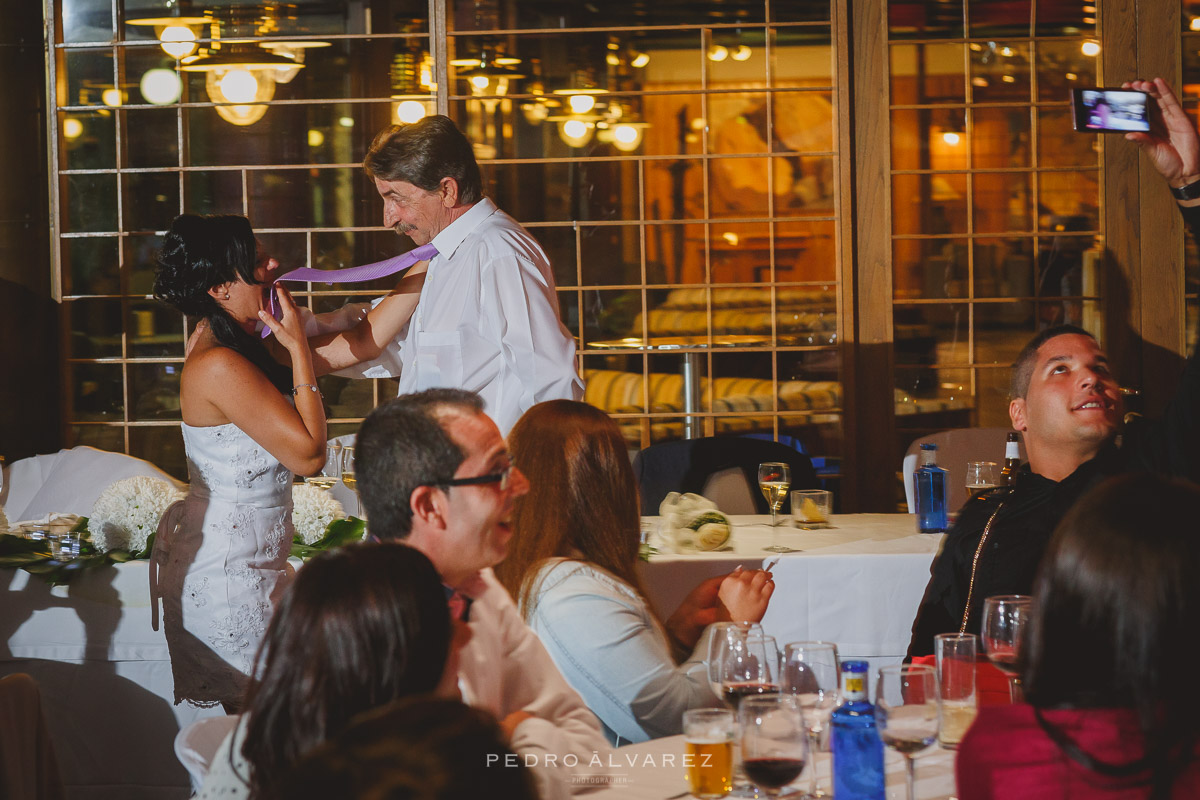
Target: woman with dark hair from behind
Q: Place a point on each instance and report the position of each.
(360, 627)
(571, 567)
(220, 555)
(1109, 658)
(420, 748)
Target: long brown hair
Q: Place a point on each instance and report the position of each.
(582, 496)
(360, 627)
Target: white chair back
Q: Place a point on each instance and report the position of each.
(955, 449)
(197, 743)
(68, 481)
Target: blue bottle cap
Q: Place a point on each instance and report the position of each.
(855, 666)
(929, 446)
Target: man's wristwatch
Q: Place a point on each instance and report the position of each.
(1190, 191)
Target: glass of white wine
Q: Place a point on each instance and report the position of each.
(348, 469)
(774, 478)
(328, 475)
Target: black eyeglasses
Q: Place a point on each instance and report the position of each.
(501, 477)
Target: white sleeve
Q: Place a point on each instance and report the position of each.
(386, 365)
(609, 648)
(533, 342)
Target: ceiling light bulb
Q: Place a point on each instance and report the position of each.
(111, 97)
(72, 128)
(410, 111)
(640, 60)
(177, 41)
(346, 122)
(1195, 24)
(480, 82)
(160, 86)
(1090, 48)
(581, 103)
(625, 134)
(239, 86)
(718, 52)
(951, 138)
(740, 53)
(315, 138)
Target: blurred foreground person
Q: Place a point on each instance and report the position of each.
(362, 626)
(415, 749)
(572, 568)
(1108, 661)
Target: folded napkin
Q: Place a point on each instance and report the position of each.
(692, 522)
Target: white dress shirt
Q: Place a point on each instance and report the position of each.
(487, 321)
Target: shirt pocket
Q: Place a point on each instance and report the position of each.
(439, 360)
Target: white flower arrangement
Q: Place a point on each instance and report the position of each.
(128, 511)
(692, 522)
(312, 511)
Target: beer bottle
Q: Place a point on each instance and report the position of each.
(1012, 460)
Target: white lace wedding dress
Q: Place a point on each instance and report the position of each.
(220, 562)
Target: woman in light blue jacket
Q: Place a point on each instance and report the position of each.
(571, 567)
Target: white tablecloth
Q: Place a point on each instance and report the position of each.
(857, 584)
(646, 771)
(105, 678)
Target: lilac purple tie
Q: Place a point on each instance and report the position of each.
(367, 272)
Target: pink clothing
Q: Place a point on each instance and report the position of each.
(1006, 754)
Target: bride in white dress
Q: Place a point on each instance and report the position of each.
(220, 555)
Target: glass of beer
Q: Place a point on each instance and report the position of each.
(981, 476)
(708, 735)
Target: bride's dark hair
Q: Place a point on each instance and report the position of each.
(200, 252)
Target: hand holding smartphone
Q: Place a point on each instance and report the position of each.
(1110, 110)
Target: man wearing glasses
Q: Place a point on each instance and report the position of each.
(433, 473)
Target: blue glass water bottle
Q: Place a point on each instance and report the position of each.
(929, 481)
(857, 748)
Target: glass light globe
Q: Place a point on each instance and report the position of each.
(409, 111)
(161, 87)
(239, 86)
(177, 41)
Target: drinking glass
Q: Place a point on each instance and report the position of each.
(906, 711)
(722, 633)
(810, 672)
(811, 508)
(330, 470)
(748, 666)
(955, 653)
(774, 478)
(348, 469)
(981, 476)
(708, 735)
(774, 741)
(1005, 618)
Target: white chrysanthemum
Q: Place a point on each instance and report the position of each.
(128, 511)
(312, 511)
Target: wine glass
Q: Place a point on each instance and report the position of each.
(906, 711)
(718, 641)
(774, 478)
(810, 672)
(774, 741)
(747, 665)
(981, 476)
(330, 470)
(1005, 617)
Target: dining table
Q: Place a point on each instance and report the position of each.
(857, 583)
(653, 770)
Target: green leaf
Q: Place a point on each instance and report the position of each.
(337, 533)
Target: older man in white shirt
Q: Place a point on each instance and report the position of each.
(487, 319)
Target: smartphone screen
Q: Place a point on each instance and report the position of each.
(1110, 110)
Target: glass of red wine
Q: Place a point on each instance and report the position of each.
(748, 666)
(906, 711)
(774, 741)
(1005, 618)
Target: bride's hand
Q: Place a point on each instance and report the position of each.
(289, 328)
